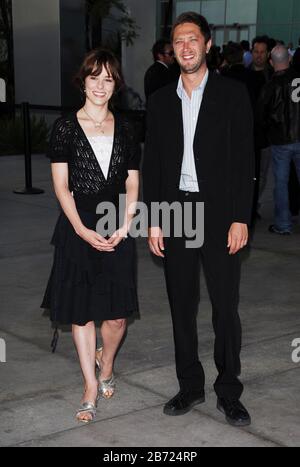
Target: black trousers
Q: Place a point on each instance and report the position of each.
(222, 271)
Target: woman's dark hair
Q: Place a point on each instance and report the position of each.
(194, 18)
(93, 64)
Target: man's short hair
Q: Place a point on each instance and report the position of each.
(246, 46)
(261, 40)
(159, 48)
(233, 53)
(296, 60)
(194, 18)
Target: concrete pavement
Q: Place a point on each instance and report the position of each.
(40, 391)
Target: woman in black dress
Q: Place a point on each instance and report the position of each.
(95, 158)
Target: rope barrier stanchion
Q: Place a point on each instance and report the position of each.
(29, 189)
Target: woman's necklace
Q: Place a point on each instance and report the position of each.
(98, 125)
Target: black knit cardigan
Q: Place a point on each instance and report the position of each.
(68, 143)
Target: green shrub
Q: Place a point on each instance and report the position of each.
(12, 136)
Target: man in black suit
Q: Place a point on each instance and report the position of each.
(235, 69)
(160, 73)
(199, 148)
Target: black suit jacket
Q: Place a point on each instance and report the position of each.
(244, 75)
(223, 149)
(156, 77)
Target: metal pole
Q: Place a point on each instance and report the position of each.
(27, 144)
(28, 190)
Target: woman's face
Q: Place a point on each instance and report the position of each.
(99, 89)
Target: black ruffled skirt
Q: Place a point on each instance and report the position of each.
(86, 284)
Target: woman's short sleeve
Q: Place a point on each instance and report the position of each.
(59, 148)
(134, 149)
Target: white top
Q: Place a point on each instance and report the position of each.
(102, 147)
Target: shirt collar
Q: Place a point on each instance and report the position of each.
(201, 87)
(162, 63)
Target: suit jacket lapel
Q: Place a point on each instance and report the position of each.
(177, 131)
(207, 113)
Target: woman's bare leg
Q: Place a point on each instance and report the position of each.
(112, 332)
(85, 343)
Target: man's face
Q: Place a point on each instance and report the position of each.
(260, 55)
(189, 47)
(168, 56)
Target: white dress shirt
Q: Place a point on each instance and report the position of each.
(190, 112)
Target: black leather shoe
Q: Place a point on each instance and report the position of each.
(183, 402)
(235, 413)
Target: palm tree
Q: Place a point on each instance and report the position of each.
(6, 37)
(97, 10)
(168, 18)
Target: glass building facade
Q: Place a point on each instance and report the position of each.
(238, 19)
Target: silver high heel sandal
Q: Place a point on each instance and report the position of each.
(89, 408)
(107, 386)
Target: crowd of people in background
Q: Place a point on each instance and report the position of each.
(268, 68)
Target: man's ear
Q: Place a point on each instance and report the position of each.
(208, 46)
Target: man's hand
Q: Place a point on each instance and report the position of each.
(237, 237)
(156, 241)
